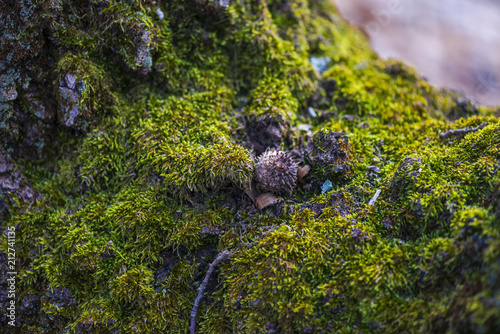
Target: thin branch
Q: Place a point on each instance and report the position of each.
(223, 256)
(243, 222)
(457, 132)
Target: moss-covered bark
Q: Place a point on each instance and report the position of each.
(129, 133)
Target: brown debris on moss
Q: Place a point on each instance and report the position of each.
(265, 133)
(330, 150)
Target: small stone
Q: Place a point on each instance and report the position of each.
(70, 81)
(311, 111)
(327, 186)
(304, 127)
(320, 64)
(224, 3)
(160, 14)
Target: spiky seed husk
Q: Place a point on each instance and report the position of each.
(276, 171)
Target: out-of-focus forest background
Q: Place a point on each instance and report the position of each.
(453, 43)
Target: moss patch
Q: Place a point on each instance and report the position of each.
(152, 179)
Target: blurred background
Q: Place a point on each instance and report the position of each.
(452, 43)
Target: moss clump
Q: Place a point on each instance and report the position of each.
(153, 177)
(83, 91)
(186, 143)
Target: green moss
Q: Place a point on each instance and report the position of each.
(136, 203)
(271, 99)
(92, 83)
(186, 142)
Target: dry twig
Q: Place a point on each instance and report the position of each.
(223, 256)
(457, 132)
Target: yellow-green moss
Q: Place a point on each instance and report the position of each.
(127, 204)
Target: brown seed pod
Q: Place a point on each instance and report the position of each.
(302, 172)
(265, 200)
(276, 171)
